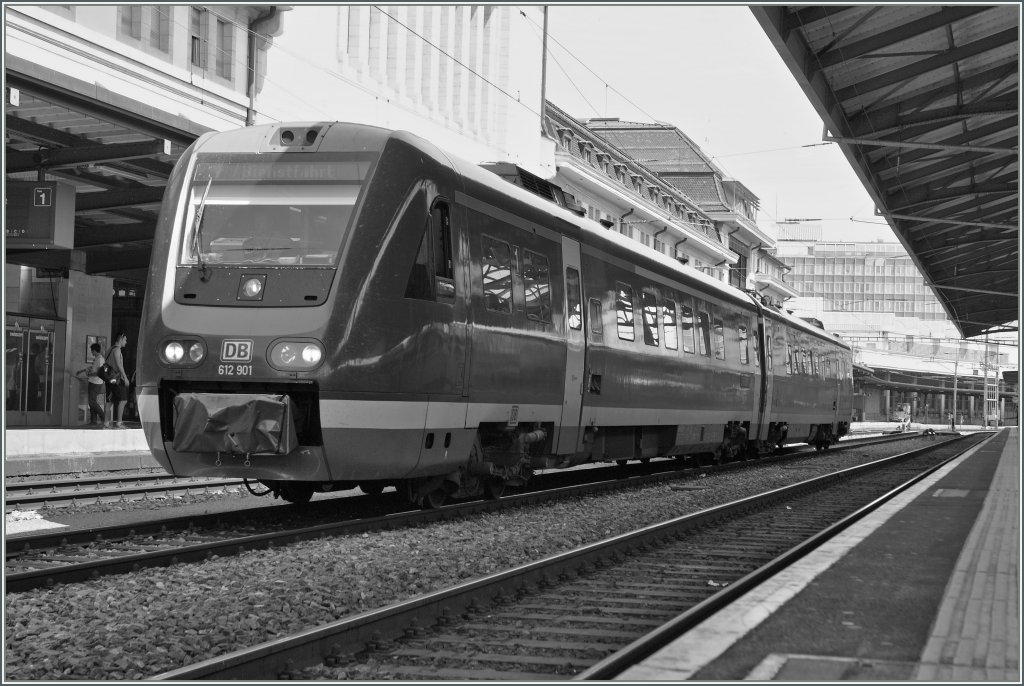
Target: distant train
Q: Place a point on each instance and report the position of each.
(334, 304)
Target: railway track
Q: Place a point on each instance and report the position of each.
(101, 489)
(44, 560)
(590, 612)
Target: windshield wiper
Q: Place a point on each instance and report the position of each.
(197, 236)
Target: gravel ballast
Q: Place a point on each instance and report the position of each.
(136, 625)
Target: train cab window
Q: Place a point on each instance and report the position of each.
(537, 286)
(573, 299)
(596, 321)
(744, 350)
(496, 270)
(704, 333)
(668, 322)
(624, 311)
(719, 336)
(649, 315)
(686, 319)
(433, 272)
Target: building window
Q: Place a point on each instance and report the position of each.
(130, 21)
(160, 28)
(198, 38)
(225, 48)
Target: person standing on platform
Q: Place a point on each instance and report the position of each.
(119, 388)
(96, 408)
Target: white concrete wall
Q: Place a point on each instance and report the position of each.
(465, 77)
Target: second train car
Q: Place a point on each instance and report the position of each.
(333, 304)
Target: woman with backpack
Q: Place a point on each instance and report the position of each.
(95, 386)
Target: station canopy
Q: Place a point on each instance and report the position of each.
(116, 158)
(924, 102)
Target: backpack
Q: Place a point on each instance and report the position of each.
(108, 373)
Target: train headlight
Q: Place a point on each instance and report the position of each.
(173, 352)
(294, 356)
(182, 352)
(250, 287)
(196, 352)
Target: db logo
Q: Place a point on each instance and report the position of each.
(236, 351)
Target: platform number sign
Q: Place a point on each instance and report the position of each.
(42, 197)
(39, 214)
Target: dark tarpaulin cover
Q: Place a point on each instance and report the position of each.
(234, 423)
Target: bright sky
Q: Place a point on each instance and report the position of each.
(710, 71)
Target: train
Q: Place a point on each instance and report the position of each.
(333, 305)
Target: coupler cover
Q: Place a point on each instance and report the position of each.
(234, 423)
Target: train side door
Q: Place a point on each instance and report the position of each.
(568, 433)
(764, 333)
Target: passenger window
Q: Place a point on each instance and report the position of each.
(537, 286)
(744, 352)
(814, 363)
(789, 359)
(596, 324)
(668, 321)
(649, 303)
(704, 333)
(432, 275)
(768, 352)
(624, 312)
(757, 348)
(686, 318)
(573, 299)
(496, 267)
(719, 338)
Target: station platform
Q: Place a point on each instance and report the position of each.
(926, 588)
(38, 452)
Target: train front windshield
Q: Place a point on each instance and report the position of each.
(282, 209)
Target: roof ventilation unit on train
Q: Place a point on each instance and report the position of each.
(518, 176)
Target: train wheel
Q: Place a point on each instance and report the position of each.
(300, 494)
(494, 488)
(434, 499)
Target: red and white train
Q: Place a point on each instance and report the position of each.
(333, 304)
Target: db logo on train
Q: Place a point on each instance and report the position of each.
(233, 352)
(236, 351)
